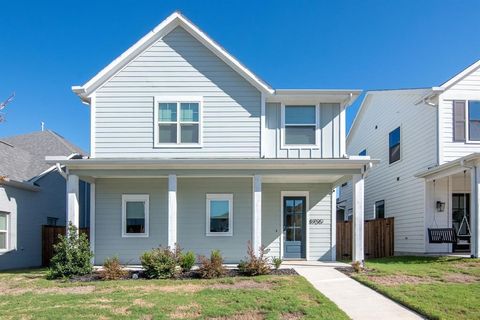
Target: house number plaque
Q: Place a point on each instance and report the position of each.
(316, 221)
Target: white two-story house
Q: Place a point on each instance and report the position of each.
(189, 147)
(428, 177)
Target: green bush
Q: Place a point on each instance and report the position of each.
(212, 267)
(254, 265)
(187, 261)
(277, 262)
(159, 263)
(72, 256)
(113, 270)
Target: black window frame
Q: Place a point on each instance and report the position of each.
(391, 147)
(377, 205)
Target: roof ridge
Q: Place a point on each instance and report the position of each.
(62, 140)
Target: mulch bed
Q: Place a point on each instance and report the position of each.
(139, 275)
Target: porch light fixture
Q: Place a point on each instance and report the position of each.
(440, 206)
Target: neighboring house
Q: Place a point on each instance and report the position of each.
(427, 140)
(32, 194)
(189, 147)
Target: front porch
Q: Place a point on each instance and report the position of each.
(288, 206)
(452, 194)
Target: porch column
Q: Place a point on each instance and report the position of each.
(172, 210)
(357, 219)
(257, 214)
(73, 210)
(474, 216)
(92, 219)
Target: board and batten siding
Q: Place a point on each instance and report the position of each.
(404, 194)
(329, 134)
(177, 65)
(467, 88)
(319, 207)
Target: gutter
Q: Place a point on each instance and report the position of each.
(18, 184)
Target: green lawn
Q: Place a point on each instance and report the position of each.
(27, 294)
(437, 287)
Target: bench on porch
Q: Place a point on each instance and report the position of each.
(443, 235)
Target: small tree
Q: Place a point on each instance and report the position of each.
(72, 255)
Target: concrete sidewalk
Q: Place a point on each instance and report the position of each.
(356, 300)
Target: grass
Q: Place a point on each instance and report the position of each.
(27, 294)
(436, 287)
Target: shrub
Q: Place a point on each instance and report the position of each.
(159, 263)
(277, 262)
(113, 270)
(72, 256)
(357, 266)
(254, 265)
(211, 267)
(187, 261)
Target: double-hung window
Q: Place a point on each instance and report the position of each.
(178, 121)
(219, 214)
(466, 121)
(474, 120)
(394, 146)
(135, 215)
(300, 125)
(3, 231)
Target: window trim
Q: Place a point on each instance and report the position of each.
(7, 232)
(400, 143)
(375, 209)
(178, 100)
(317, 127)
(135, 198)
(219, 196)
(467, 122)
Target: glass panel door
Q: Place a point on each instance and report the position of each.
(294, 211)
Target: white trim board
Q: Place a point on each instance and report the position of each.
(140, 198)
(171, 22)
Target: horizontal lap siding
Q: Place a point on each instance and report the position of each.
(319, 208)
(405, 198)
(177, 65)
(466, 89)
(108, 218)
(329, 134)
(191, 197)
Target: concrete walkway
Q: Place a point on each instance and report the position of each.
(356, 300)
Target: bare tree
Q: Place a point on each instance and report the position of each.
(4, 104)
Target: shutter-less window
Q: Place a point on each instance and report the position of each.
(458, 120)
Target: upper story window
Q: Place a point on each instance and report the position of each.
(135, 215)
(394, 145)
(178, 121)
(363, 152)
(466, 121)
(3, 231)
(474, 120)
(300, 123)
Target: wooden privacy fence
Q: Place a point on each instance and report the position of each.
(50, 237)
(378, 238)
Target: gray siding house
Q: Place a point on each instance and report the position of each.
(189, 147)
(32, 194)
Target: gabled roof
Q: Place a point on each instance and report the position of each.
(421, 92)
(22, 157)
(174, 20)
(460, 75)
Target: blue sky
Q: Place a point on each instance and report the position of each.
(46, 47)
